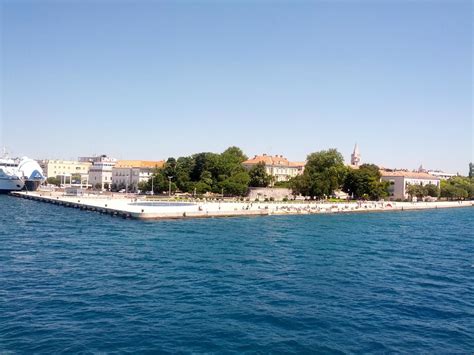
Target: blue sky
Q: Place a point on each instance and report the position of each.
(153, 79)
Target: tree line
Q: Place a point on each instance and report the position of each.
(325, 173)
(224, 173)
(208, 172)
(457, 188)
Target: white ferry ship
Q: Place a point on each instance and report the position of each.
(20, 174)
(32, 174)
(10, 176)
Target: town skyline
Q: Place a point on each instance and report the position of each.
(155, 80)
(347, 159)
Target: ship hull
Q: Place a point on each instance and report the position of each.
(7, 185)
(32, 185)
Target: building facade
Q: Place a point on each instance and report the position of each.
(277, 166)
(128, 174)
(400, 180)
(100, 173)
(54, 168)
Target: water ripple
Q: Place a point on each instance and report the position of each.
(78, 282)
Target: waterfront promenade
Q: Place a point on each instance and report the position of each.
(149, 209)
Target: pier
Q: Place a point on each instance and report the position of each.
(142, 209)
(145, 209)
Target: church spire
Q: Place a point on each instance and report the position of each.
(355, 156)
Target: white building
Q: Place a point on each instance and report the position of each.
(128, 174)
(100, 173)
(401, 179)
(277, 166)
(441, 174)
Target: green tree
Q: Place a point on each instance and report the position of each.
(324, 173)
(204, 162)
(416, 190)
(432, 190)
(54, 181)
(169, 169)
(206, 178)
(457, 188)
(230, 161)
(300, 185)
(201, 187)
(184, 167)
(365, 183)
(258, 176)
(201, 172)
(143, 186)
(236, 184)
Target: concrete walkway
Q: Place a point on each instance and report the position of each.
(146, 209)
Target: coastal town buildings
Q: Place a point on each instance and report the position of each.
(277, 166)
(100, 173)
(127, 174)
(441, 174)
(55, 168)
(401, 179)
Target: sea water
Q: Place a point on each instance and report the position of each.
(76, 281)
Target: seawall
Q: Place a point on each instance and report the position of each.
(154, 210)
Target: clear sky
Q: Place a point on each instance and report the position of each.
(153, 79)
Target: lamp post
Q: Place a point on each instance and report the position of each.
(169, 189)
(152, 190)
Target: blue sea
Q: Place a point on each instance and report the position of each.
(74, 281)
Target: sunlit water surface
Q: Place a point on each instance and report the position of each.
(76, 281)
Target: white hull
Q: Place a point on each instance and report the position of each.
(11, 184)
(18, 174)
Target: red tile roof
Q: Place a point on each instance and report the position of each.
(272, 160)
(409, 174)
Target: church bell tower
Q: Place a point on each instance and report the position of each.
(355, 156)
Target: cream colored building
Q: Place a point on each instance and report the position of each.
(128, 174)
(277, 166)
(401, 179)
(54, 168)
